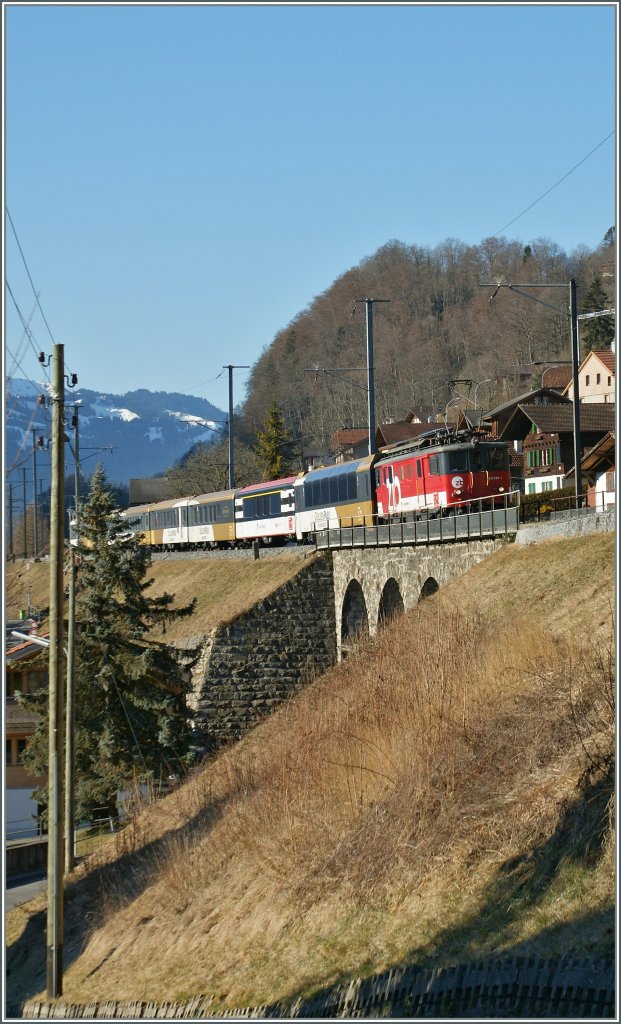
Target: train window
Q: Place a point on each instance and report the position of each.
(334, 490)
(401, 472)
(275, 503)
(434, 464)
(342, 487)
(351, 487)
(419, 467)
(325, 491)
(456, 461)
(316, 492)
(378, 479)
(497, 458)
(409, 471)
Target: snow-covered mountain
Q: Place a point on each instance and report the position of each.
(138, 434)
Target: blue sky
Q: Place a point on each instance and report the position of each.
(185, 179)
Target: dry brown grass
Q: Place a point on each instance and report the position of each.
(442, 796)
(223, 587)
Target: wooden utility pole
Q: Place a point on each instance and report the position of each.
(34, 492)
(56, 688)
(25, 514)
(70, 710)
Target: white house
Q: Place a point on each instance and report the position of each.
(596, 378)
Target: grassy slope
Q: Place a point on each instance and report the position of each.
(426, 802)
(224, 587)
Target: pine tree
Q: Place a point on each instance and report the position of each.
(599, 332)
(273, 443)
(132, 721)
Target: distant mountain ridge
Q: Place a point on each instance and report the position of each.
(144, 432)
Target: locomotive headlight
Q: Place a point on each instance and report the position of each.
(501, 488)
(457, 491)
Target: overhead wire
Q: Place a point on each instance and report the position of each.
(556, 183)
(26, 327)
(21, 252)
(32, 284)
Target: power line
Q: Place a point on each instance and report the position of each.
(26, 327)
(29, 275)
(547, 192)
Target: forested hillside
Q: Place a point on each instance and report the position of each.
(439, 325)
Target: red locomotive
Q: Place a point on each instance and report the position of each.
(441, 472)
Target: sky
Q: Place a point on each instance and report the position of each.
(183, 180)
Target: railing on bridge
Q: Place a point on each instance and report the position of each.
(463, 521)
(544, 507)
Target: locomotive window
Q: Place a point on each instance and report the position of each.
(457, 461)
(409, 471)
(378, 478)
(497, 458)
(342, 486)
(334, 489)
(434, 464)
(325, 491)
(401, 472)
(419, 468)
(351, 487)
(316, 492)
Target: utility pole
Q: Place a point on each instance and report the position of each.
(575, 360)
(230, 368)
(370, 370)
(34, 491)
(56, 701)
(25, 514)
(573, 318)
(11, 551)
(70, 708)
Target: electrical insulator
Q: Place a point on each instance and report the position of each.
(40, 442)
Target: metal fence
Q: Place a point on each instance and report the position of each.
(464, 522)
(543, 508)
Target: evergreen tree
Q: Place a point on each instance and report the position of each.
(273, 444)
(131, 719)
(599, 332)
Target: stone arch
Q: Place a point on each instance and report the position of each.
(354, 617)
(429, 587)
(391, 602)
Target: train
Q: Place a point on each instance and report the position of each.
(441, 472)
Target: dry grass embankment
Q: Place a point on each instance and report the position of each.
(444, 796)
(223, 587)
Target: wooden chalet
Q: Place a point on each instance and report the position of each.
(545, 436)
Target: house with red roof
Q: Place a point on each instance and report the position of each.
(596, 378)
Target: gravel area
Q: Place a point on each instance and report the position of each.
(264, 552)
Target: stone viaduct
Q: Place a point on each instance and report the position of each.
(252, 664)
(372, 585)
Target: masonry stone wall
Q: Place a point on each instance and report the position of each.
(254, 663)
(410, 567)
(260, 659)
(568, 524)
